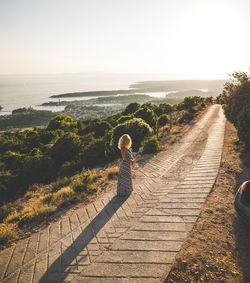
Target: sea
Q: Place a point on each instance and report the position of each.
(31, 90)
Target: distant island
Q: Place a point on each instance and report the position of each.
(94, 93)
(1, 107)
(212, 87)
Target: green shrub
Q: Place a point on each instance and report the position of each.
(123, 119)
(151, 145)
(162, 121)
(67, 169)
(98, 127)
(63, 122)
(131, 108)
(136, 128)
(149, 105)
(66, 148)
(3, 191)
(243, 124)
(84, 182)
(35, 152)
(32, 168)
(94, 154)
(163, 108)
(147, 115)
(186, 117)
(236, 99)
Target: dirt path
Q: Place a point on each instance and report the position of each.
(218, 248)
(128, 240)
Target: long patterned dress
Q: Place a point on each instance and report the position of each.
(124, 186)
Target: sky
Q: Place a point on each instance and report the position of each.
(205, 37)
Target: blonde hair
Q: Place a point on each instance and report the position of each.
(124, 141)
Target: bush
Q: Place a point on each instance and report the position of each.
(162, 121)
(63, 122)
(163, 108)
(33, 166)
(131, 108)
(149, 105)
(243, 122)
(67, 169)
(3, 191)
(66, 148)
(151, 145)
(99, 128)
(136, 128)
(84, 182)
(147, 115)
(186, 117)
(189, 102)
(236, 99)
(123, 119)
(94, 154)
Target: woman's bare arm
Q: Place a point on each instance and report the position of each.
(124, 155)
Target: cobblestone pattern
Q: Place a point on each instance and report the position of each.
(128, 240)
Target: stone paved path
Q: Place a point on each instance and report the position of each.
(134, 239)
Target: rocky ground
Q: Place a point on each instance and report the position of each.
(218, 248)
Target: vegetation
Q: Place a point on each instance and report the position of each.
(235, 98)
(50, 166)
(151, 145)
(162, 120)
(26, 118)
(137, 128)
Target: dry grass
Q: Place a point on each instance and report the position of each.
(8, 232)
(36, 212)
(112, 173)
(41, 202)
(64, 197)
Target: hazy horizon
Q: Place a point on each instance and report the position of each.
(148, 76)
(187, 38)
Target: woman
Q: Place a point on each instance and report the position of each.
(124, 187)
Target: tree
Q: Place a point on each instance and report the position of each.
(147, 115)
(236, 94)
(131, 108)
(94, 154)
(66, 148)
(136, 128)
(63, 122)
(123, 119)
(162, 121)
(163, 108)
(151, 145)
(243, 122)
(236, 99)
(98, 127)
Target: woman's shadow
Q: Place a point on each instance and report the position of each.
(56, 272)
